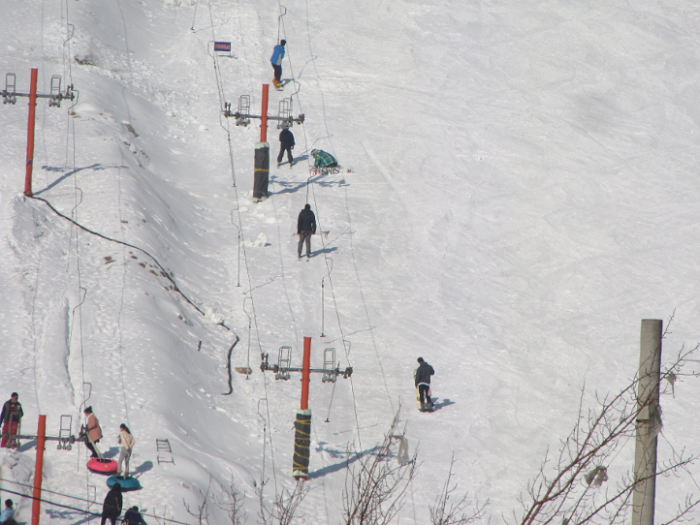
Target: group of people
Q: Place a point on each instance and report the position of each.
(112, 508)
(93, 434)
(10, 419)
(322, 159)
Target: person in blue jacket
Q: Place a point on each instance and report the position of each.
(323, 159)
(276, 61)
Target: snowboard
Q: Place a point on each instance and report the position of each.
(330, 171)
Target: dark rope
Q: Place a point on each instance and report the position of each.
(165, 272)
(230, 375)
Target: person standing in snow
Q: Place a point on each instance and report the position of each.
(10, 418)
(306, 227)
(276, 61)
(286, 144)
(8, 512)
(93, 430)
(127, 442)
(323, 159)
(112, 506)
(423, 373)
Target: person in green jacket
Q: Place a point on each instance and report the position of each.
(323, 159)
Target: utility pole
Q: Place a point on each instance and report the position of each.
(262, 148)
(648, 420)
(9, 96)
(302, 425)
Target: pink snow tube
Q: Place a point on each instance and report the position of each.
(103, 466)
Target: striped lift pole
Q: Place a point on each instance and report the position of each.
(302, 424)
(262, 149)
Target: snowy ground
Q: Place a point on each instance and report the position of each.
(524, 192)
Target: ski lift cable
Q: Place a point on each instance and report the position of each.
(48, 502)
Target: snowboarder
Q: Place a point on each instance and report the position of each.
(8, 512)
(11, 417)
(323, 159)
(112, 506)
(286, 144)
(127, 442)
(93, 430)
(423, 373)
(133, 517)
(276, 61)
(306, 227)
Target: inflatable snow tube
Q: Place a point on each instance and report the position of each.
(102, 466)
(126, 484)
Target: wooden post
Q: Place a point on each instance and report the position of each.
(40, 441)
(647, 423)
(30, 134)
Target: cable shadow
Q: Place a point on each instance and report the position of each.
(95, 167)
(343, 464)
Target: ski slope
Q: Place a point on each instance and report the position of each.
(523, 192)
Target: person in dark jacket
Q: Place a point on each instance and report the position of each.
(306, 227)
(286, 144)
(133, 517)
(423, 373)
(10, 418)
(112, 506)
(276, 61)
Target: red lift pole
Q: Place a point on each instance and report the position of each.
(262, 148)
(40, 440)
(30, 134)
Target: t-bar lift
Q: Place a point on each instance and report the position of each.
(9, 96)
(302, 425)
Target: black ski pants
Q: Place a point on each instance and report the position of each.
(278, 72)
(423, 391)
(304, 237)
(288, 149)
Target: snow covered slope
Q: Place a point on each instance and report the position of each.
(523, 193)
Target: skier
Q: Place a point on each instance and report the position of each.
(306, 227)
(112, 506)
(127, 442)
(276, 61)
(8, 512)
(423, 373)
(93, 430)
(286, 144)
(11, 417)
(323, 159)
(133, 517)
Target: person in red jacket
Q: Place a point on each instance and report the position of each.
(10, 418)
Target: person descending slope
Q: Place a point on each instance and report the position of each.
(422, 375)
(306, 227)
(276, 61)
